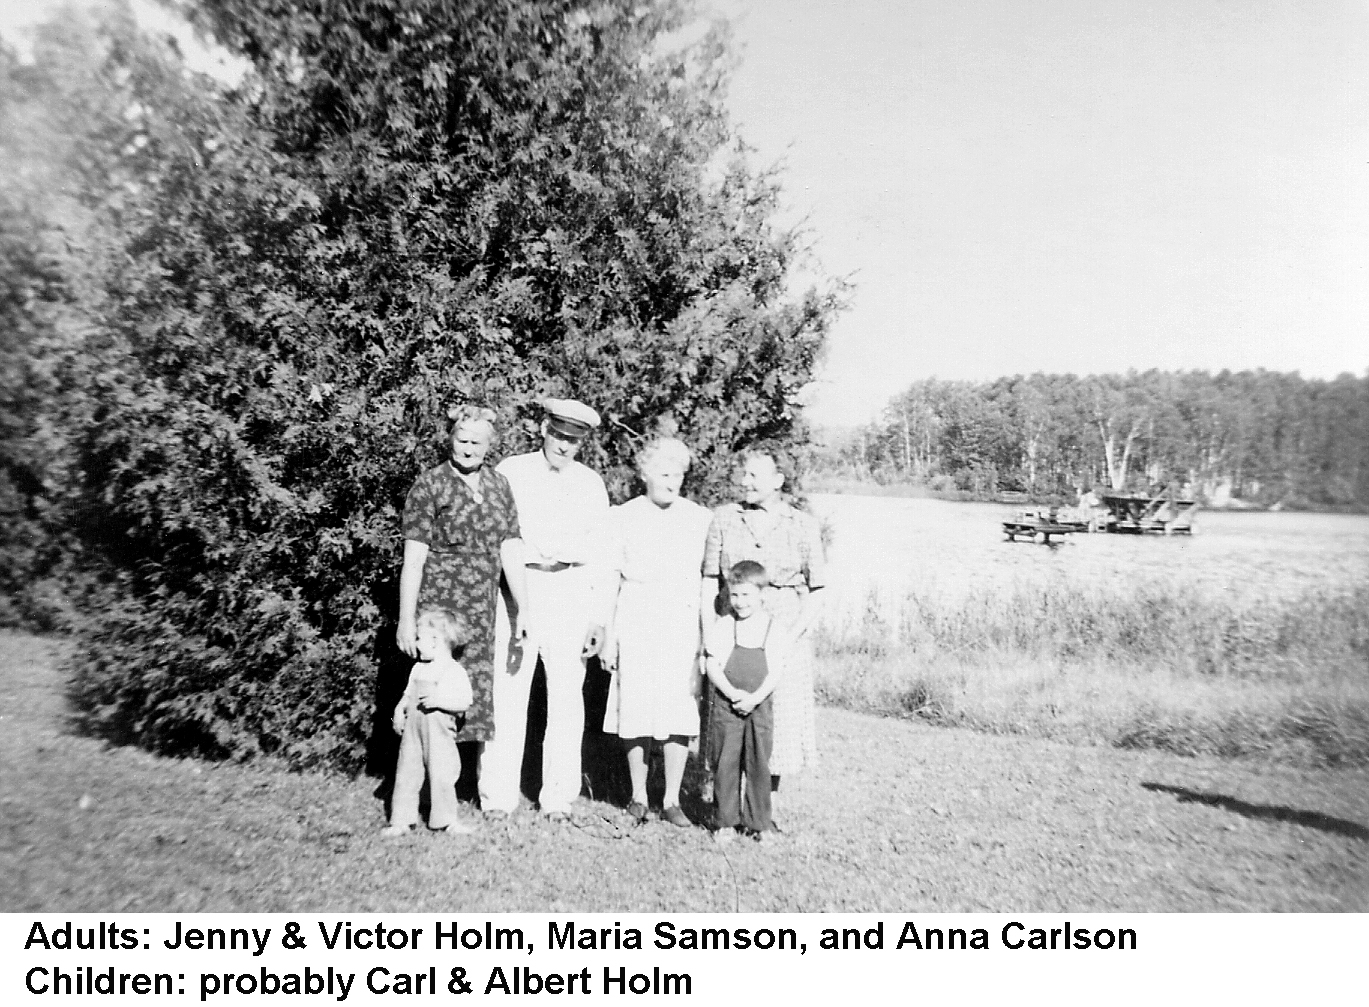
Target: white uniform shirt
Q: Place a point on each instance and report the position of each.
(563, 515)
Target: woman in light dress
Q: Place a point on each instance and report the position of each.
(653, 643)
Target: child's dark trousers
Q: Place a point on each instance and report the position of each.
(740, 746)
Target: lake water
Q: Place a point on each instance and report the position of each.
(887, 545)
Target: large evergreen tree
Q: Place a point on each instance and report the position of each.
(406, 203)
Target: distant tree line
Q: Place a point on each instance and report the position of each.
(1261, 436)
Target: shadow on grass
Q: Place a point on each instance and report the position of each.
(1267, 812)
(603, 761)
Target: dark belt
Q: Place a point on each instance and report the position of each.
(552, 567)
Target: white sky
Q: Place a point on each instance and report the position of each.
(18, 15)
(1061, 185)
(1070, 185)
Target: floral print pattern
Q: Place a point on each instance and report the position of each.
(463, 531)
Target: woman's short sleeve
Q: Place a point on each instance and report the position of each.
(713, 548)
(615, 550)
(814, 559)
(508, 509)
(420, 511)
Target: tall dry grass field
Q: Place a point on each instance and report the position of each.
(1250, 638)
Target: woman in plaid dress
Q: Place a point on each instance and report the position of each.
(788, 543)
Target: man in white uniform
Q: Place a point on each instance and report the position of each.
(563, 512)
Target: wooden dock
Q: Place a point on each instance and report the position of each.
(1039, 526)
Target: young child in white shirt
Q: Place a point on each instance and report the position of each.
(744, 662)
(427, 719)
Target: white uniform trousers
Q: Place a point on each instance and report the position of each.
(560, 604)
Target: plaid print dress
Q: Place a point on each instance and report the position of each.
(788, 543)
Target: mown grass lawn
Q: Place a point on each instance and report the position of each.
(899, 817)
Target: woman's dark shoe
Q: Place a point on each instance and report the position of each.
(637, 811)
(675, 816)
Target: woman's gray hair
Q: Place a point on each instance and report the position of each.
(671, 448)
(465, 413)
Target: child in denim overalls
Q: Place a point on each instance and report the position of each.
(742, 662)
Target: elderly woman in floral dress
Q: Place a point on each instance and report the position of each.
(653, 645)
(788, 543)
(460, 533)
